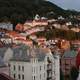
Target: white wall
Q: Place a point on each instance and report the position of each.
(8, 55)
(7, 26)
(32, 68)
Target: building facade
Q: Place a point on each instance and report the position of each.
(34, 64)
(7, 26)
(68, 60)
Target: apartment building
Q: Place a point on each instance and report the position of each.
(34, 64)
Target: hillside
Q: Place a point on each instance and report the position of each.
(20, 10)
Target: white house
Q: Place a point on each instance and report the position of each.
(7, 26)
(34, 64)
(38, 21)
(6, 39)
(5, 55)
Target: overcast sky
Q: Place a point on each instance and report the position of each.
(68, 4)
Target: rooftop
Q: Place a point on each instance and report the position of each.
(25, 53)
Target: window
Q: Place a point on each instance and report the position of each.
(44, 74)
(19, 68)
(44, 67)
(34, 69)
(34, 77)
(23, 68)
(34, 60)
(9, 65)
(14, 68)
(40, 68)
(19, 77)
(14, 76)
(40, 76)
(22, 77)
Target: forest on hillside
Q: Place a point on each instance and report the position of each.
(21, 10)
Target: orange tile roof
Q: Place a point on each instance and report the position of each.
(14, 34)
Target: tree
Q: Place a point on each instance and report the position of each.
(26, 9)
(70, 35)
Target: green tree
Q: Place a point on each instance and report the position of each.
(70, 35)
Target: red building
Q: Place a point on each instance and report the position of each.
(78, 59)
(19, 27)
(68, 60)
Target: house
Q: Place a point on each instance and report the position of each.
(65, 44)
(34, 64)
(16, 36)
(75, 44)
(13, 34)
(6, 25)
(61, 24)
(75, 29)
(19, 27)
(22, 41)
(37, 22)
(67, 61)
(41, 40)
(6, 39)
(5, 54)
(33, 37)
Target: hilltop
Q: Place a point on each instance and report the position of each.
(22, 10)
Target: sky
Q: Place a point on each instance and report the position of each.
(68, 4)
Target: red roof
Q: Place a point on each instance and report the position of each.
(41, 20)
(19, 27)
